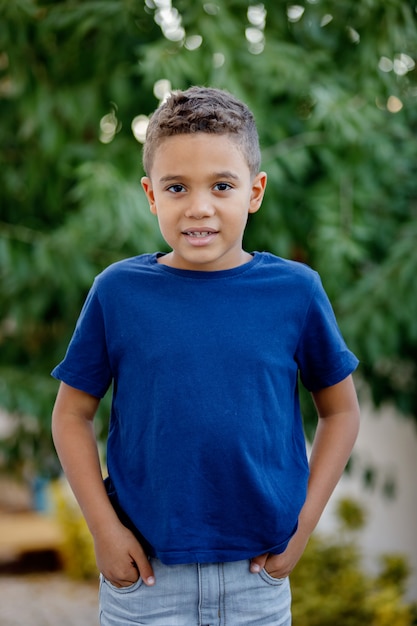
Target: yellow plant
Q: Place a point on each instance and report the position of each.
(387, 608)
(77, 551)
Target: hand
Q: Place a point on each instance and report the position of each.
(281, 565)
(120, 557)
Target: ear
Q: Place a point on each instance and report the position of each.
(148, 189)
(257, 192)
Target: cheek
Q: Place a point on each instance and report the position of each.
(165, 226)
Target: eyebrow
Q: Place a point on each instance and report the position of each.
(215, 175)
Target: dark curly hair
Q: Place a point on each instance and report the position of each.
(203, 110)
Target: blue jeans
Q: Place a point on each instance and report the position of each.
(202, 594)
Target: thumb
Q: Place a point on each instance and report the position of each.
(258, 563)
(144, 567)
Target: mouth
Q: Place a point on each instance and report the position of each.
(199, 233)
(200, 237)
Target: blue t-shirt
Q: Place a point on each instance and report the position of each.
(206, 451)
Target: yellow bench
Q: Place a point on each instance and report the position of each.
(22, 533)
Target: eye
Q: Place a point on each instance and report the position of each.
(222, 186)
(177, 188)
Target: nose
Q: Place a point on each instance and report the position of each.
(200, 205)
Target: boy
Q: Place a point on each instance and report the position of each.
(209, 502)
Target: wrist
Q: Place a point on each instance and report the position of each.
(101, 519)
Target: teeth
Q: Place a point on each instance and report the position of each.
(204, 233)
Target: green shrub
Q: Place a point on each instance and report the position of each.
(330, 588)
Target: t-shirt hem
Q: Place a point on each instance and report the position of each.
(333, 378)
(74, 381)
(216, 556)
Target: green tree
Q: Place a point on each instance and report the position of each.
(334, 90)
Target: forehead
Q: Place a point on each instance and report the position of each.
(199, 150)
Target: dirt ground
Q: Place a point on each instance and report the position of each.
(47, 599)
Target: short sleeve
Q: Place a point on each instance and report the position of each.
(86, 364)
(322, 354)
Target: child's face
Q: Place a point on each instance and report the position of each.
(201, 190)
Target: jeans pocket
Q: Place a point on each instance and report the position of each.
(133, 587)
(271, 580)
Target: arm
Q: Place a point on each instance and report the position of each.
(336, 433)
(119, 555)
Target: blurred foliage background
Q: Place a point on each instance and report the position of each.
(333, 87)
